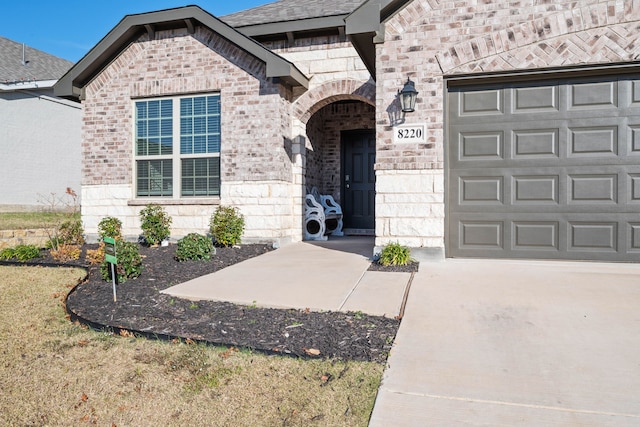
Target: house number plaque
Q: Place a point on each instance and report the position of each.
(410, 133)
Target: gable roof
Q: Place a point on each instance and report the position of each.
(37, 66)
(72, 84)
(360, 20)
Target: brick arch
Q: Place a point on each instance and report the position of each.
(554, 40)
(337, 90)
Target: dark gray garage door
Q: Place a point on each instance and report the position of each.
(545, 170)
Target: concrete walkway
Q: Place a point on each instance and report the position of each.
(321, 276)
(516, 343)
(482, 342)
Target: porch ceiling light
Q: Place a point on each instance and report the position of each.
(408, 96)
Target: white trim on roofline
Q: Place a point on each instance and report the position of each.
(27, 84)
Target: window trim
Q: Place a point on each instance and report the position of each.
(176, 156)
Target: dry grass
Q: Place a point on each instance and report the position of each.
(57, 373)
(28, 220)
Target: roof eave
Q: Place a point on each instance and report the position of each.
(71, 85)
(30, 84)
(365, 28)
(297, 26)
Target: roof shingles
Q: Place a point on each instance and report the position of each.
(38, 65)
(291, 10)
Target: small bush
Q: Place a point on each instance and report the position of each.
(194, 246)
(129, 262)
(156, 224)
(110, 227)
(226, 226)
(6, 253)
(70, 232)
(96, 256)
(66, 253)
(21, 252)
(395, 254)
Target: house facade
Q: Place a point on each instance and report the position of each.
(39, 132)
(522, 143)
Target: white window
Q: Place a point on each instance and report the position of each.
(178, 160)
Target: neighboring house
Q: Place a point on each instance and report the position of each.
(524, 142)
(39, 132)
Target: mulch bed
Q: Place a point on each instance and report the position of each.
(142, 309)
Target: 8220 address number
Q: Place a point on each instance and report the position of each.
(410, 133)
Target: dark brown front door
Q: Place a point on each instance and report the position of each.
(358, 178)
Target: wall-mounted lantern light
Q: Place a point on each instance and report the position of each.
(408, 96)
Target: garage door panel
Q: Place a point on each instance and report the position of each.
(593, 188)
(548, 189)
(536, 143)
(593, 95)
(481, 235)
(593, 141)
(535, 189)
(633, 239)
(634, 188)
(535, 99)
(634, 92)
(481, 145)
(554, 173)
(481, 103)
(535, 235)
(633, 132)
(484, 190)
(572, 236)
(593, 236)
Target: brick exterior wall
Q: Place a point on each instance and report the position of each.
(176, 63)
(255, 125)
(430, 39)
(264, 132)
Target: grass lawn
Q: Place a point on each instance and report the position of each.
(58, 373)
(27, 220)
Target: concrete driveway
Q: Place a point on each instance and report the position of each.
(516, 343)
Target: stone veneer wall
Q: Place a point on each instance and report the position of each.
(430, 39)
(325, 58)
(34, 236)
(256, 166)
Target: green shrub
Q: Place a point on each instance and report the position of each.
(110, 227)
(156, 224)
(194, 246)
(69, 232)
(21, 252)
(395, 254)
(226, 226)
(129, 262)
(7, 253)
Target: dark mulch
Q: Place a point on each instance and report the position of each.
(140, 308)
(412, 267)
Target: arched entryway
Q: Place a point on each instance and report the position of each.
(340, 158)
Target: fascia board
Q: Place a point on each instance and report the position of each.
(301, 25)
(71, 84)
(32, 84)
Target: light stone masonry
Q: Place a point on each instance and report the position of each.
(409, 208)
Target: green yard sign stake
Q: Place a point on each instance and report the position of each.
(111, 257)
